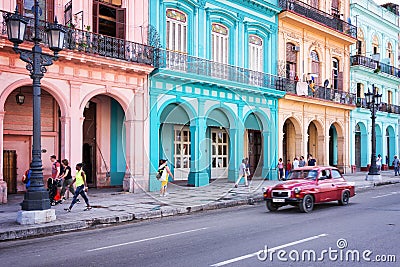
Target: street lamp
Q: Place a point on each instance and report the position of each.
(36, 198)
(373, 100)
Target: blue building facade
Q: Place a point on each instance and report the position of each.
(214, 96)
(374, 64)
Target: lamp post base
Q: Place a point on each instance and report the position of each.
(373, 177)
(36, 216)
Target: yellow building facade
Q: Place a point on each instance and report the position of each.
(314, 116)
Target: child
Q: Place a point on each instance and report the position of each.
(81, 187)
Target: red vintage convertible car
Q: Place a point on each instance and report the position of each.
(309, 185)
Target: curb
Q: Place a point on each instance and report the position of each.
(44, 230)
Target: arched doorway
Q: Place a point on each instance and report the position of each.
(360, 146)
(312, 143)
(104, 139)
(390, 144)
(218, 133)
(254, 144)
(291, 140)
(379, 143)
(333, 160)
(17, 135)
(175, 140)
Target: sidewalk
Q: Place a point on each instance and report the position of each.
(113, 206)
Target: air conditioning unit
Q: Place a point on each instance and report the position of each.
(296, 48)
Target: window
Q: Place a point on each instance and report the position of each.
(219, 43)
(219, 148)
(389, 54)
(389, 97)
(314, 3)
(336, 174)
(315, 66)
(360, 90)
(335, 73)
(360, 42)
(182, 148)
(109, 19)
(335, 8)
(256, 53)
(25, 8)
(291, 62)
(375, 45)
(176, 30)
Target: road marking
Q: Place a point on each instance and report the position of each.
(147, 239)
(222, 263)
(386, 195)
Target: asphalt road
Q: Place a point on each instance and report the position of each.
(369, 227)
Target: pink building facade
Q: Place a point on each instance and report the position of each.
(94, 98)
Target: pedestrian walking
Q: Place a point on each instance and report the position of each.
(311, 160)
(302, 162)
(26, 178)
(296, 163)
(81, 187)
(379, 162)
(280, 169)
(165, 173)
(55, 167)
(67, 179)
(395, 164)
(247, 168)
(288, 167)
(242, 174)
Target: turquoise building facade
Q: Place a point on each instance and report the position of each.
(374, 63)
(214, 94)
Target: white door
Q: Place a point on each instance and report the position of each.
(182, 153)
(220, 153)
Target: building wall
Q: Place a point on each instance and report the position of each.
(73, 81)
(375, 21)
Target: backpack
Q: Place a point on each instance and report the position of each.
(159, 173)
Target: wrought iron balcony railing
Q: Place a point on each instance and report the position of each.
(384, 107)
(319, 16)
(184, 63)
(377, 66)
(92, 43)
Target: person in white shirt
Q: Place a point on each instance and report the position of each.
(242, 173)
(295, 163)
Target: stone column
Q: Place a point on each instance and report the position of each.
(128, 182)
(65, 137)
(267, 156)
(154, 184)
(3, 184)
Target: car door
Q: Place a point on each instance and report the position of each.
(338, 181)
(326, 187)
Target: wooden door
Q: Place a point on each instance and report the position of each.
(10, 170)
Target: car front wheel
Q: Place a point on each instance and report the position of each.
(271, 207)
(345, 198)
(307, 204)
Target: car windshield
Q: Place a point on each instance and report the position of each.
(302, 174)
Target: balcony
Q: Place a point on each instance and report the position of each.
(92, 43)
(384, 107)
(319, 16)
(183, 63)
(358, 60)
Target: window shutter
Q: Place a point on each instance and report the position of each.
(340, 80)
(95, 17)
(120, 23)
(50, 10)
(20, 5)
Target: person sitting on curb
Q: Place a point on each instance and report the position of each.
(81, 187)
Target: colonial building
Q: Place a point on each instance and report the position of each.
(94, 98)
(374, 66)
(213, 98)
(314, 116)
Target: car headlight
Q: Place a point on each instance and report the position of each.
(297, 190)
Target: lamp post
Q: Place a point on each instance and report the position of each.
(373, 100)
(36, 198)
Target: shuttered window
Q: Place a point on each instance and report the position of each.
(256, 52)
(176, 30)
(47, 7)
(220, 43)
(109, 20)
